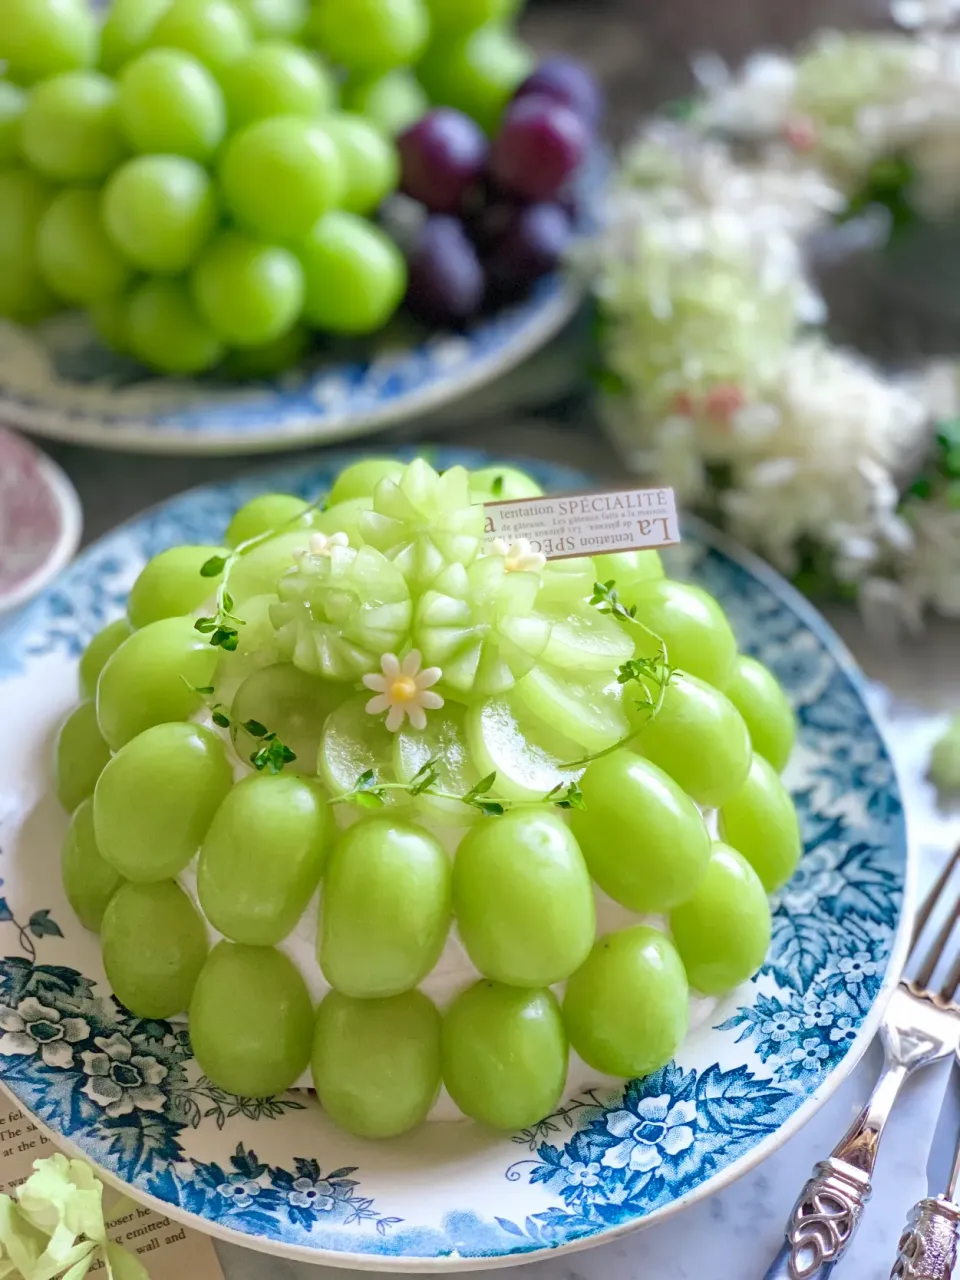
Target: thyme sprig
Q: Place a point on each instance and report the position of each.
(651, 676)
(368, 793)
(223, 626)
(270, 756)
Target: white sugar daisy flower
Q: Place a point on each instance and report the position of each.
(519, 556)
(404, 691)
(323, 544)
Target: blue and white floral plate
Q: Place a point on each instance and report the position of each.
(58, 380)
(274, 1174)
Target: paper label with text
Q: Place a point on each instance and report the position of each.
(168, 1250)
(590, 524)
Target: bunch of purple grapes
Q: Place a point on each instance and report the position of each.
(500, 214)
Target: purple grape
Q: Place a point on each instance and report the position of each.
(540, 146)
(569, 82)
(532, 245)
(447, 282)
(441, 157)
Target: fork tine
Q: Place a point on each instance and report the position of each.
(926, 971)
(930, 900)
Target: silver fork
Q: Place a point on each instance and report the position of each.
(920, 1026)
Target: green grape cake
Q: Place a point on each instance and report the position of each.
(425, 822)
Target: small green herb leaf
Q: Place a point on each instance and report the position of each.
(272, 756)
(497, 487)
(205, 625)
(213, 567)
(489, 808)
(572, 798)
(256, 729)
(221, 720)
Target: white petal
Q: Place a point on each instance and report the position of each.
(17, 1042)
(411, 663)
(432, 701)
(390, 665)
(376, 706)
(339, 540)
(33, 1011)
(57, 1053)
(428, 677)
(376, 682)
(499, 547)
(418, 717)
(395, 718)
(10, 1020)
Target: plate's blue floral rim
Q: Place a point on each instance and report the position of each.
(57, 380)
(126, 1094)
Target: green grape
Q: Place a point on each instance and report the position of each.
(352, 743)
(256, 647)
(145, 681)
(170, 103)
(76, 256)
(24, 198)
(360, 479)
(567, 584)
(109, 319)
(644, 840)
(344, 517)
(392, 102)
(159, 211)
(370, 36)
(290, 704)
(524, 753)
(263, 363)
(699, 738)
(424, 521)
(523, 899)
(477, 74)
(628, 568)
(444, 741)
(356, 276)
(504, 1053)
(587, 712)
(280, 175)
(454, 17)
(154, 947)
(376, 1063)
(370, 160)
(13, 102)
(81, 755)
(583, 639)
(386, 908)
(248, 292)
(251, 1020)
(88, 880)
(166, 330)
(41, 38)
(627, 1008)
(722, 933)
(69, 130)
(277, 79)
(214, 31)
(340, 611)
(691, 624)
(259, 570)
(502, 484)
(761, 823)
(156, 799)
(275, 19)
(171, 584)
(127, 30)
(103, 645)
(269, 512)
(757, 695)
(262, 858)
(478, 625)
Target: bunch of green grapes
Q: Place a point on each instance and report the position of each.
(226, 764)
(202, 175)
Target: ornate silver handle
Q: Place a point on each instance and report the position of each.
(829, 1208)
(928, 1246)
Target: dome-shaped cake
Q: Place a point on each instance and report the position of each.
(381, 806)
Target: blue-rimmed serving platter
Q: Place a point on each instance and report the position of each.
(275, 1174)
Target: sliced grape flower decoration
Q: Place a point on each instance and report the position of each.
(479, 625)
(423, 522)
(518, 557)
(339, 610)
(404, 691)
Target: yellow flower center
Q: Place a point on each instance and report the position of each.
(403, 689)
